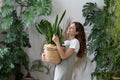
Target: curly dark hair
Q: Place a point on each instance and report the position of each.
(82, 39)
(80, 36)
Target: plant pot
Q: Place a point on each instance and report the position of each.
(116, 78)
(11, 77)
(51, 54)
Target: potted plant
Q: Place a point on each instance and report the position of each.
(104, 40)
(48, 30)
(37, 65)
(15, 17)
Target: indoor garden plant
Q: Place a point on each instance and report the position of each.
(37, 65)
(15, 17)
(48, 30)
(104, 39)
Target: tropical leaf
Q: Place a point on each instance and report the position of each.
(41, 7)
(6, 10)
(6, 23)
(9, 2)
(28, 18)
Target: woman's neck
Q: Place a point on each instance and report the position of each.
(71, 37)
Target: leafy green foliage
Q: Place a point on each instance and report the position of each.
(38, 65)
(15, 17)
(6, 64)
(102, 40)
(29, 10)
(48, 30)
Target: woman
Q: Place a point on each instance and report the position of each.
(75, 45)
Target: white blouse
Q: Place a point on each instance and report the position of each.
(74, 43)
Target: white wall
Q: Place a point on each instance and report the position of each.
(74, 12)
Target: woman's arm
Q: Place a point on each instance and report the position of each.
(63, 54)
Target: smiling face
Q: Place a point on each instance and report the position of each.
(72, 30)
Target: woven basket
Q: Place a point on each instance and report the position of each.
(51, 54)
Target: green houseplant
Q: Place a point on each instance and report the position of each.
(15, 17)
(48, 30)
(104, 41)
(37, 65)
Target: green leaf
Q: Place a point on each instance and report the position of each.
(55, 25)
(62, 17)
(41, 7)
(28, 18)
(6, 23)
(10, 38)
(6, 10)
(9, 2)
(21, 56)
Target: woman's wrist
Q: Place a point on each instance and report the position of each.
(57, 43)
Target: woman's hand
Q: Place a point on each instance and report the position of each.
(44, 52)
(43, 56)
(55, 39)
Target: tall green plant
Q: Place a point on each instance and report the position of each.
(48, 29)
(102, 41)
(15, 17)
